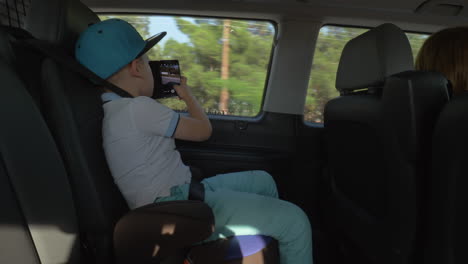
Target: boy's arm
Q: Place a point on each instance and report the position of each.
(196, 126)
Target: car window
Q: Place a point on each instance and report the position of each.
(226, 61)
(330, 43)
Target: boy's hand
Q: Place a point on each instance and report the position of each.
(183, 90)
(196, 126)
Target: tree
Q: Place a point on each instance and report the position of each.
(249, 50)
(249, 54)
(224, 96)
(250, 44)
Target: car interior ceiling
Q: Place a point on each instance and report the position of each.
(380, 178)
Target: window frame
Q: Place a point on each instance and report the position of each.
(260, 115)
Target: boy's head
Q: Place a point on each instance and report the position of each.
(115, 51)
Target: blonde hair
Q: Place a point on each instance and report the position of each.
(447, 52)
(117, 76)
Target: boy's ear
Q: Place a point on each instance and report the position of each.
(134, 68)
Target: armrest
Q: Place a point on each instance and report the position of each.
(150, 233)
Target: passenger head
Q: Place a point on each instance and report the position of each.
(447, 52)
(115, 51)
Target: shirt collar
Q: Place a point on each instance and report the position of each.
(106, 97)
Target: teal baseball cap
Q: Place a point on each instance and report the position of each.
(107, 46)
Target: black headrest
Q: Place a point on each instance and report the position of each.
(371, 57)
(59, 21)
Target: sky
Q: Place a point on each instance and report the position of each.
(168, 24)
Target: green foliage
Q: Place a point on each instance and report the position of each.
(250, 44)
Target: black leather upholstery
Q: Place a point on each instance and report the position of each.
(59, 21)
(73, 109)
(378, 142)
(152, 233)
(17, 245)
(447, 214)
(37, 220)
(150, 220)
(13, 13)
(74, 113)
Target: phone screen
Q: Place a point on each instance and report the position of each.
(166, 74)
(170, 72)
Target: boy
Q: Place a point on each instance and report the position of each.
(138, 140)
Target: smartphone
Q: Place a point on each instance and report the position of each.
(166, 74)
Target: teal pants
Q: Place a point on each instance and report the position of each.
(246, 203)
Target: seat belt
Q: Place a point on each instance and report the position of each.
(63, 59)
(196, 191)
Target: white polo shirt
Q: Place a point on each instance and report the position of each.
(140, 149)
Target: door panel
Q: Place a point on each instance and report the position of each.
(280, 144)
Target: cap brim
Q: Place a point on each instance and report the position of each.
(151, 42)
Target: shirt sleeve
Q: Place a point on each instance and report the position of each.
(154, 118)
